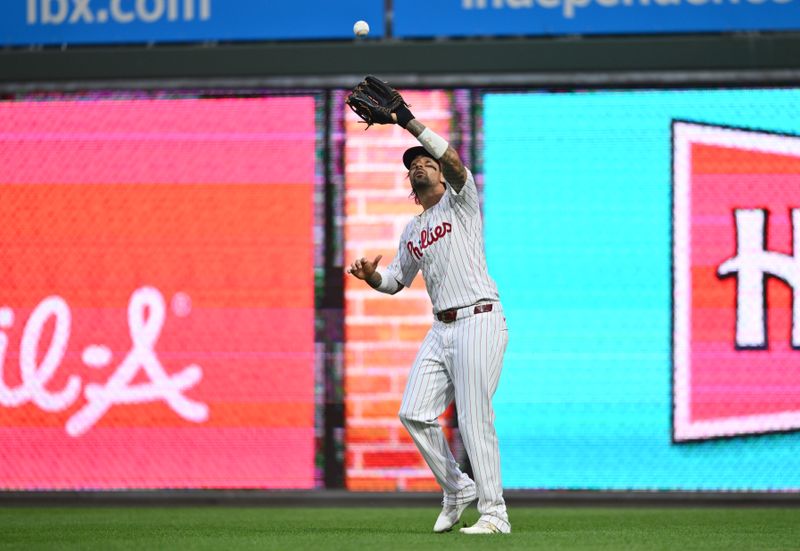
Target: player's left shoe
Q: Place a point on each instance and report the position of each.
(484, 526)
(450, 515)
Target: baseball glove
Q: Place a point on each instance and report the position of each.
(374, 101)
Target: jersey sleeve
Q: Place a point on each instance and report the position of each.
(405, 266)
(466, 200)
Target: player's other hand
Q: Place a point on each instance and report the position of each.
(363, 268)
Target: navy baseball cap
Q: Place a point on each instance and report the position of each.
(414, 152)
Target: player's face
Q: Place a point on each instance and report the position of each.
(424, 172)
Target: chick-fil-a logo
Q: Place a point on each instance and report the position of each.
(146, 313)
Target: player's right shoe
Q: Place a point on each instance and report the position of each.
(484, 526)
(450, 515)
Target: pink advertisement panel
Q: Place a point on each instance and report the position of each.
(737, 270)
(151, 335)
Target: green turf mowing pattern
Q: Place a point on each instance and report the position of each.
(385, 528)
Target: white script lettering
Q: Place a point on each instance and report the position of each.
(146, 314)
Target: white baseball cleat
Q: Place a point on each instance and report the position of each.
(484, 527)
(450, 515)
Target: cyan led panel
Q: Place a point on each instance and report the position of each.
(579, 237)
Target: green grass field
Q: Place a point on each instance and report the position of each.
(554, 528)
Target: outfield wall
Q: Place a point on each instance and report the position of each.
(175, 313)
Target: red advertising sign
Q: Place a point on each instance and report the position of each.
(157, 294)
(736, 338)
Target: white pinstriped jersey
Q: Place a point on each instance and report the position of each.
(446, 243)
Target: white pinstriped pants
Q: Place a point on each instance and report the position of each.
(460, 360)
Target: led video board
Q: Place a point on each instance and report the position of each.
(643, 245)
(152, 334)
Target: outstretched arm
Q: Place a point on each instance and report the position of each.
(452, 167)
(376, 102)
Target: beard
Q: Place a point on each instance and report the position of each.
(420, 181)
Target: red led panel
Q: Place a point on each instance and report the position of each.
(157, 293)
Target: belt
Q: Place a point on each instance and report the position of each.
(449, 316)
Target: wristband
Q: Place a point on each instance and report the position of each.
(433, 143)
(388, 284)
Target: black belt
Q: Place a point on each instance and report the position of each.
(449, 316)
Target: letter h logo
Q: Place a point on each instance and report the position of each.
(751, 266)
(736, 279)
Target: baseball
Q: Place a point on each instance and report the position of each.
(361, 28)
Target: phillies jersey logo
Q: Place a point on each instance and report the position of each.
(736, 276)
(428, 237)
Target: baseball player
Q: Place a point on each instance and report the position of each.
(462, 354)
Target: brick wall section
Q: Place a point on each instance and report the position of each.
(383, 332)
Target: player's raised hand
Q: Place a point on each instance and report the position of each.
(363, 268)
